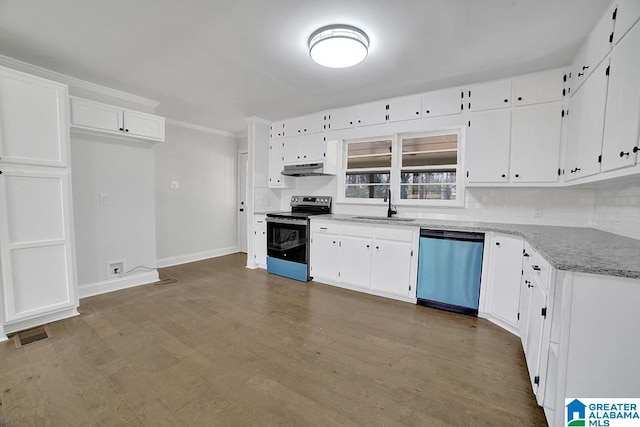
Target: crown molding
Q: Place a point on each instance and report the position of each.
(75, 82)
(200, 128)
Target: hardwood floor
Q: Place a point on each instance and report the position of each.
(227, 346)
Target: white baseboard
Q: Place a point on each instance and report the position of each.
(21, 325)
(116, 284)
(504, 325)
(198, 256)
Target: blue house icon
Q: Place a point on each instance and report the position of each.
(575, 409)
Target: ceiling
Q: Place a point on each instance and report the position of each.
(215, 62)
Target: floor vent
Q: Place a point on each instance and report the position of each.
(31, 335)
(165, 279)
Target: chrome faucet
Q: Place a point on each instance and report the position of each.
(390, 210)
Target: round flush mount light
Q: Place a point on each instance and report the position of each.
(338, 46)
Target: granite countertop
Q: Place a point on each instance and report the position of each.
(577, 249)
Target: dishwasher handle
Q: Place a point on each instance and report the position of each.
(452, 235)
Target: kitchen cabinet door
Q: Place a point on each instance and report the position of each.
(313, 148)
(536, 88)
(536, 132)
(260, 240)
(309, 124)
(95, 115)
(291, 152)
(586, 126)
(442, 102)
(276, 164)
(487, 96)
(277, 130)
(622, 123)
(628, 13)
(535, 328)
(324, 256)
(505, 272)
(33, 120)
(144, 125)
(391, 267)
(526, 284)
(373, 113)
(343, 118)
(487, 146)
(405, 108)
(354, 266)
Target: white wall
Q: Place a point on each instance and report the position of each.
(617, 208)
(198, 219)
(124, 229)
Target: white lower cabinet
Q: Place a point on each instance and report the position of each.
(535, 314)
(260, 240)
(374, 259)
(501, 282)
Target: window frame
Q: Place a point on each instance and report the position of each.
(396, 169)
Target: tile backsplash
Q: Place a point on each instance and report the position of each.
(613, 207)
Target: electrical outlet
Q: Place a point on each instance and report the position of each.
(115, 268)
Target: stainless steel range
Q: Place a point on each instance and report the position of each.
(288, 236)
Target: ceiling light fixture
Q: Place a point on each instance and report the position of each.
(338, 46)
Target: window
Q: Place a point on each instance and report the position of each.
(428, 167)
(368, 169)
(419, 169)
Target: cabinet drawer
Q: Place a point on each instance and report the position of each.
(397, 234)
(539, 267)
(324, 227)
(356, 230)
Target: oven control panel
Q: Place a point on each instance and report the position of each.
(315, 201)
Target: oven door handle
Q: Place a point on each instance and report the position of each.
(293, 221)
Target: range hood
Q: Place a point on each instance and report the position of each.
(307, 169)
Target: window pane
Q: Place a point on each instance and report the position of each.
(366, 191)
(369, 154)
(428, 192)
(430, 150)
(426, 177)
(368, 178)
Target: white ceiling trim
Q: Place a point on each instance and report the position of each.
(200, 128)
(75, 82)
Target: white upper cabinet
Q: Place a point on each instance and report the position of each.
(487, 96)
(96, 116)
(621, 132)
(405, 108)
(276, 164)
(596, 48)
(304, 149)
(626, 15)
(536, 132)
(442, 102)
(312, 123)
(33, 120)
(343, 118)
(537, 88)
(277, 130)
(487, 146)
(586, 126)
(373, 113)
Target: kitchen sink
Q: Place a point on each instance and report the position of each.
(384, 218)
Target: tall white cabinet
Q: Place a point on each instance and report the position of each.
(37, 254)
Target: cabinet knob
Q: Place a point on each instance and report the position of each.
(359, 121)
(504, 175)
(126, 130)
(526, 255)
(535, 267)
(636, 149)
(368, 246)
(121, 129)
(517, 175)
(497, 243)
(519, 98)
(622, 153)
(350, 123)
(418, 113)
(585, 67)
(0, 172)
(506, 100)
(428, 111)
(377, 247)
(580, 74)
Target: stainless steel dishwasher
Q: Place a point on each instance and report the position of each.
(449, 270)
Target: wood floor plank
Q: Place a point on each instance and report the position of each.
(226, 345)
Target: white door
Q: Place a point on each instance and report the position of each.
(391, 267)
(623, 104)
(505, 265)
(354, 260)
(487, 146)
(243, 159)
(324, 256)
(536, 132)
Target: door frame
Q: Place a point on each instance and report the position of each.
(242, 197)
